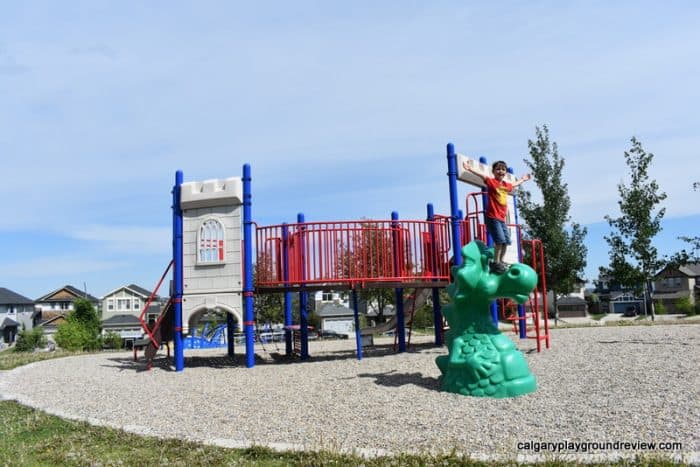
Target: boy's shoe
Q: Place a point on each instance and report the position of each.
(499, 268)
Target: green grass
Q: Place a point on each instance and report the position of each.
(29, 437)
(10, 359)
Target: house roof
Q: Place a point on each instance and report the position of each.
(145, 293)
(52, 320)
(389, 310)
(332, 309)
(72, 292)
(8, 322)
(571, 301)
(690, 269)
(8, 297)
(121, 320)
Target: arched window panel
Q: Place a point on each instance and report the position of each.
(210, 247)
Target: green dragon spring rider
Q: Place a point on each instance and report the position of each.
(482, 361)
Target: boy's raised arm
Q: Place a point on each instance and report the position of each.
(525, 178)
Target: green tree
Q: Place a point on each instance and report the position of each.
(369, 253)
(633, 258)
(269, 307)
(686, 256)
(81, 331)
(562, 240)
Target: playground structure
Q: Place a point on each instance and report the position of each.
(207, 339)
(213, 264)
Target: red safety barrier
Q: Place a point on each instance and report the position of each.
(353, 252)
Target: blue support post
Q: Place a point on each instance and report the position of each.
(248, 318)
(437, 312)
(303, 295)
(454, 205)
(358, 336)
(177, 273)
(400, 318)
(229, 333)
(287, 293)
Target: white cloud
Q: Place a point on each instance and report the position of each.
(55, 266)
(134, 240)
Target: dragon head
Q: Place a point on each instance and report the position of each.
(474, 282)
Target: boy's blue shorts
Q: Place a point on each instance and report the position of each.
(500, 233)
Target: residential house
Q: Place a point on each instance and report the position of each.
(573, 305)
(336, 317)
(673, 283)
(16, 312)
(128, 300)
(127, 326)
(614, 298)
(61, 301)
(121, 310)
(322, 297)
(54, 307)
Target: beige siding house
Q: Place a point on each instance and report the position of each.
(675, 283)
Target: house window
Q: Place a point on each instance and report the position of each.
(210, 247)
(65, 305)
(123, 304)
(110, 304)
(677, 281)
(327, 296)
(137, 304)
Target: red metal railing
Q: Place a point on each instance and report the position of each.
(353, 252)
(538, 302)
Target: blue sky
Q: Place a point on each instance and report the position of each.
(343, 110)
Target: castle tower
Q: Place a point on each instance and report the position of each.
(211, 250)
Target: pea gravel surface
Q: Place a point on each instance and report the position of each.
(601, 391)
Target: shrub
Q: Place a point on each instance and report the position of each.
(696, 308)
(684, 306)
(660, 308)
(71, 336)
(27, 341)
(112, 340)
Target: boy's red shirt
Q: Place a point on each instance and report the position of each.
(497, 206)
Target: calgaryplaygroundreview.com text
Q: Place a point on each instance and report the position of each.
(597, 446)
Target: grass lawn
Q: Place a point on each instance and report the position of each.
(10, 359)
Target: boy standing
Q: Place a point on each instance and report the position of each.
(497, 208)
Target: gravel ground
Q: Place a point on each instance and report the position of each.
(625, 384)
